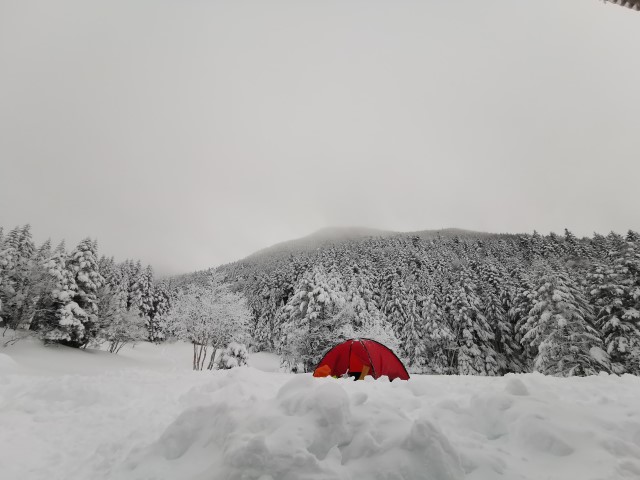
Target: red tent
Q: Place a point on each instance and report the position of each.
(359, 358)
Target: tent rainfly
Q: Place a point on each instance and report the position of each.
(359, 358)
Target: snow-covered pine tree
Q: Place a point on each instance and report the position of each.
(136, 282)
(551, 246)
(143, 299)
(633, 236)
(475, 352)
(264, 303)
(599, 246)
(313, 323)
(44, 251)
(615, 292)
(501, 328)
(34, 285)
(537, 246)
(82, 263)
(67, 310)
(364, 315)
(394, 300)
(13, 238)
(146, 300)
(59, 317)
(439, 339)
(559, 326)
(615, 243)
(411, 333)
(160, 306)
(117, 326)
(8, 261)
(17, 288)
(494, 290)
(573, 246)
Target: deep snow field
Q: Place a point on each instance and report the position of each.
(143, 414)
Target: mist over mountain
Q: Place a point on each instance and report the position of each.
(340, 235)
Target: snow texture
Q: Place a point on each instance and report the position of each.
(143, 414)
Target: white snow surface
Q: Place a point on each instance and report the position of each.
(143, 414)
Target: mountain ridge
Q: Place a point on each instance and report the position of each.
(339, 234)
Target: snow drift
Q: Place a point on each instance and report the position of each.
(310, 429)
(145, 415)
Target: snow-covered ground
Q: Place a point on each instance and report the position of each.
(143, 414)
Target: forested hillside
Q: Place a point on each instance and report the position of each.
(448, 301)
(452, 301)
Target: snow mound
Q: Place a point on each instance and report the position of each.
(7, 363)
(144, 415)
(310, 429)
(515, 386)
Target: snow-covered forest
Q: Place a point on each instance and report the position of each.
(452, 302)
(74, 297)
(79, 299)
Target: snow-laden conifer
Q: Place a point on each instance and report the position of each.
(475, 352)
(312, 319)
(615, 293)
(559, 326)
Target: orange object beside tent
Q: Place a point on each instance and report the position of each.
(362, 357)
(323, 371)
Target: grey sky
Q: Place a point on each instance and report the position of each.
(191, 133)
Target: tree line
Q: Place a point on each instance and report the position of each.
(76, 298)
(463, 303)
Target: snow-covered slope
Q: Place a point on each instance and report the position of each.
(320, 238)
(333, 236)
(145, 415)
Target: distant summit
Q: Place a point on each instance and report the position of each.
(339, 235)
(348, 233)
(321, 238)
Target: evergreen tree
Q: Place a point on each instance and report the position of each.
(117, 326)
(615, 292)
(559, 326)
(438, 336)
(68, 312)
(8, 260)
(59, 317)
(134, 275)
(412, 334)
(16, 282)
(573, 246)
(313, 323)
(475, 353)
(599, 246)
(160, 306)
(633, 237)
(83, 264)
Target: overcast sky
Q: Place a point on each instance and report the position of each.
(190, 133)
